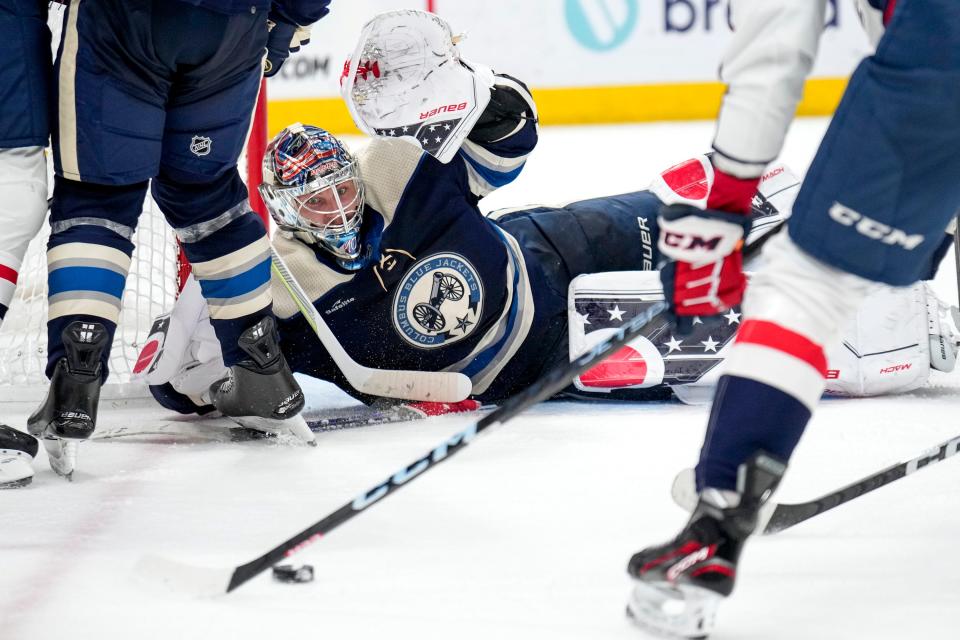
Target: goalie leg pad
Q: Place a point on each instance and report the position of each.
(598, 304)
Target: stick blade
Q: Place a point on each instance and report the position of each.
(424, 386)
(183, 578)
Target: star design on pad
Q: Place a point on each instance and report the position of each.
(446, 127)
(438, 138)
(674, 345)
(697, 320)
(616, 313)
(732, 317)
(405, 129)
(433, 127)
(391, 132)
(583, 318)
(463, 323)
(709, 344)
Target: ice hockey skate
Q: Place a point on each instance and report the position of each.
(17, 451)
(261, 392)
(681, 583)
(68, 415)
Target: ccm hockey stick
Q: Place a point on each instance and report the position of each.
(207, 581)
(432, 386)
(203, 581)
(776, 517)
(787, 515)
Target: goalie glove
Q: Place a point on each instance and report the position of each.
(406, 79)
(705, 216)
(504, 115)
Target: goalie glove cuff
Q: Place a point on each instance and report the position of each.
(505, 113)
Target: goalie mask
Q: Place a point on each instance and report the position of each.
(311, 183)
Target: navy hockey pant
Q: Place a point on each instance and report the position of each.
(153, 89)
(885, 182)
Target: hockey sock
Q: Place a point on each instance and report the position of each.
(227, 245)
(747, 416)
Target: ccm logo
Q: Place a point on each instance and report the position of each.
(896, 367)
(689, 241)
(443, 109)
(872, 229)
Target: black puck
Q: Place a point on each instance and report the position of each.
(289, 573)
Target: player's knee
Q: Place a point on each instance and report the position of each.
(803, 294)
(186, 199)
(86, 208)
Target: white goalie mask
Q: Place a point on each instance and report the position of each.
(312, 183)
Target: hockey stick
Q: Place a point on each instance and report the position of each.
(220, 429)
(433, 386)
(206, 581)
(787, 515)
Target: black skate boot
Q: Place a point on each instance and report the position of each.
(680, 584)
(17, 451)
(69, 413)
(261, 392)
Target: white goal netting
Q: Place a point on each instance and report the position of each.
(151, 290)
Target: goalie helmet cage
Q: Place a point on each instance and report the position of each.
(156, 271)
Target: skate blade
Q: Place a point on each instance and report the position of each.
(295, 425)
(673, 612)
(62, 455)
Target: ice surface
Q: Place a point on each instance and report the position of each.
(524, 535)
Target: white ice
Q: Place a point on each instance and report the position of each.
(525, 535)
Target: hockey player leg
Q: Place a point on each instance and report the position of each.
(680, 584)
(17, 451)
(230, 255)
(68, 415)
(88, 258)
(774, 377)
(23, 206)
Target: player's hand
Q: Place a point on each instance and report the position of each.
(705, 275)
(284, 39)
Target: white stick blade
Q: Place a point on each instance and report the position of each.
(430, 386)
(183, 578)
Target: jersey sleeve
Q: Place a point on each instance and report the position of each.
(299, 12)
(495, 163)
(766, 63)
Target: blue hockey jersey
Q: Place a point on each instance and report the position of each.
(301, 12)
(443, 287)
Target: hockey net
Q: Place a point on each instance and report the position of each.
(153, 283)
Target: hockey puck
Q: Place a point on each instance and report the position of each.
(289, 573)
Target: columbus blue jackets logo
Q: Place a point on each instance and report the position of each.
(438, 301)
(200, 145)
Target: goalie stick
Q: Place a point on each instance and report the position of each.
(221, 429)
(432, 386)
(208, 581)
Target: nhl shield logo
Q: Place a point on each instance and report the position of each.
(200, 145)
(438, 301)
